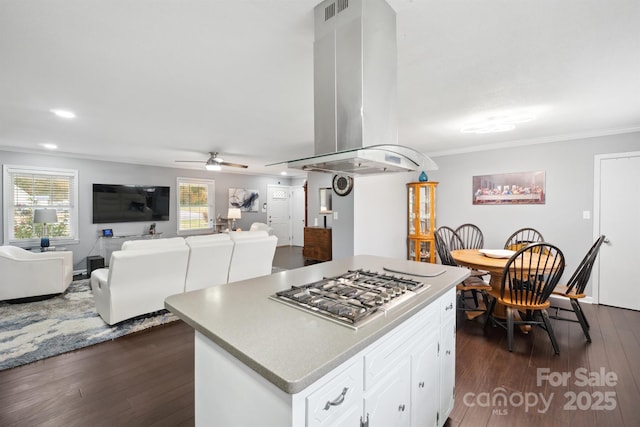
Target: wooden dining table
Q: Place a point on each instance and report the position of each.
(474, 259)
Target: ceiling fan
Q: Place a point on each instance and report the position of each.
(214, 163)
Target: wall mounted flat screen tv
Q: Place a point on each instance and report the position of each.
(129, 203)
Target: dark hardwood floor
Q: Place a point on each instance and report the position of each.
(146, 379)
(288, 257)
(601, 385)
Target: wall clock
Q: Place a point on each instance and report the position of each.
(342, 184)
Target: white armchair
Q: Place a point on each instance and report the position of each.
(28, 274)
(209, 258)
(253, 253)
(261, 226)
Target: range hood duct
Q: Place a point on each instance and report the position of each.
(355, 92)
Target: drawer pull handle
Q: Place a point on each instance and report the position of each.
(449, 307)
(338, 399)
(401, 408)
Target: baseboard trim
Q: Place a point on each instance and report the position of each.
(586, 300)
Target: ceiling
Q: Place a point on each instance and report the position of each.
(152, 82)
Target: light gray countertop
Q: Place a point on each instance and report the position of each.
(288, 346)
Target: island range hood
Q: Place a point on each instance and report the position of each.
(355, 92)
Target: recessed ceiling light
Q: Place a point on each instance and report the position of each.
(283, 173)
(65, 114)
(49, 146)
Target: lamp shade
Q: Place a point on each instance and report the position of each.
(45, 216)
(233, 213)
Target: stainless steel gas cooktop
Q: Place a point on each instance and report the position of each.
(352, 298)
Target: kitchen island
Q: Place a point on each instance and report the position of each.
(261, 362)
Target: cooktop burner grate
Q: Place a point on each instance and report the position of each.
(352, 297)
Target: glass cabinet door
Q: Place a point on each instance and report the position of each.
(412, 212)
(420, 250)
(425, 218)
(421, 220)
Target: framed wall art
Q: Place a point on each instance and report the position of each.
(509, 189)
(244, 199)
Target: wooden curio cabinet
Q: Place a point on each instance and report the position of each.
(421, 211)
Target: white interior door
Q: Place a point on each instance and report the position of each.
(278, 212)
(297, 216)
(618, 206)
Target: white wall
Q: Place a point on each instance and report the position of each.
(380, 214)
(315, 181)
(372, 219)
(569, 167)
(92, 171)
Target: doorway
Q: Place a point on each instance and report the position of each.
(297, 215)
(278, 212)
(616, 210)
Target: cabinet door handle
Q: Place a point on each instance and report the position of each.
(337, 401)
(421, 384)
(449, 307)
(448, 352)
(401, 407)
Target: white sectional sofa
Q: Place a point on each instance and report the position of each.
(139, 278)
(253, 253)
(145, 272)
(209, 258)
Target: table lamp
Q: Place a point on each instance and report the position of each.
(232, 215)
(44, 217)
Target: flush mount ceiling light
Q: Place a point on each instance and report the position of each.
(214, 163)
(213, 166)
(65, 114)
(49, 146)
(497, 123)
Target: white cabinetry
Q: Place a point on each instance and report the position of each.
(406, 378)
(447, 358)
(424, 402)
(338, 402)
(388, 403)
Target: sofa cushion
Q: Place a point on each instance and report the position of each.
(206, 239)
(253, 253)
(209, 258)
(247, 235)
(153, 243)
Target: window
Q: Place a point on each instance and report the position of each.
(28, 188)
(196, 204)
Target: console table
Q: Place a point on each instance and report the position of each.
(317, 244)
(110, 244)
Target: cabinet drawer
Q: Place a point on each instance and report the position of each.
(339, 398)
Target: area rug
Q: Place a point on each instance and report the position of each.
(36, 330)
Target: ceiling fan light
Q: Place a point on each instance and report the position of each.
(213, 167)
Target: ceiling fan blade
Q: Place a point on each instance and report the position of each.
(234, 165)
